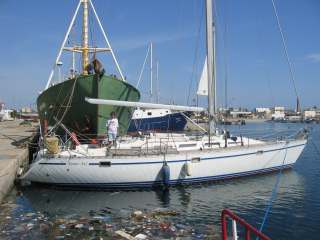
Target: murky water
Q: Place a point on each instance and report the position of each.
(191, 212)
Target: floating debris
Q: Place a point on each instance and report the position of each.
(104, 224)
(124, 235)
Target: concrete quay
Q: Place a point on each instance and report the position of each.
(14, 153)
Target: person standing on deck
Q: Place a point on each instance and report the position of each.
(112, 128)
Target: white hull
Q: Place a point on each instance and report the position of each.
(146, 171)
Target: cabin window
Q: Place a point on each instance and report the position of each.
(195, 160)
(188, 145)
(105, 164)
(214, 143)
(149, 113)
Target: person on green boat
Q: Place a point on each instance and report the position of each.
(112, 128)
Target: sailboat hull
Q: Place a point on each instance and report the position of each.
(66, 102)
(174, 122)
(147, 171)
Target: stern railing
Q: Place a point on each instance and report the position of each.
(249, 229)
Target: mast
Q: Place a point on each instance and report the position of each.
(210, 65)
(85, 50)
(151, 71)
(214, 68)
(157, 82)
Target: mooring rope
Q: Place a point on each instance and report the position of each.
(274, 192)
(315, 147)
(67, 107)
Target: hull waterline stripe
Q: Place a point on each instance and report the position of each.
(172, 182)
(51, 163)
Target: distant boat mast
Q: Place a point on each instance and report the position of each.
(151, 71)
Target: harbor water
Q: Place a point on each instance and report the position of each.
(191, 212)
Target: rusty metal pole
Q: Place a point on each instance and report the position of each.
(85, 38)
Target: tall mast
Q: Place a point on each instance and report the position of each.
(157, 82)
(210, 64)
(85, 50)
(151, 71)
(214, 77)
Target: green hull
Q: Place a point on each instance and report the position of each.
(66, 101)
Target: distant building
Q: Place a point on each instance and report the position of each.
(26, 110)
(278, 113)
(279, 109)
(241, 114)
(5, 114)
(263, 110)
(309, 114)
(278, 116)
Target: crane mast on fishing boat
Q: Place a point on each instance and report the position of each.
(63, 101)
(85, 38)
(84, 49)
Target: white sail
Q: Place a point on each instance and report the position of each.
(203, 83)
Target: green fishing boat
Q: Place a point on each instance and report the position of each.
(62, 104)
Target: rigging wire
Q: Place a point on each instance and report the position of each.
(275, 188)
(290, 65)
(143, 66)
(262, 53)
(92, 35)
(196, 54)
(225, 51)
(315, 147)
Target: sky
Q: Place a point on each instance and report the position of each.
(250, 54)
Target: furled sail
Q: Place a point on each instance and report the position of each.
(203, 83)
(143, 105)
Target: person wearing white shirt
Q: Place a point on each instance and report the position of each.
(112, 128)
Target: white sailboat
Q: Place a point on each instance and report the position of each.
(164, 159)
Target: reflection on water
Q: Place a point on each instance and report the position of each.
(195, 203)
(199, 205)
(295, 213)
